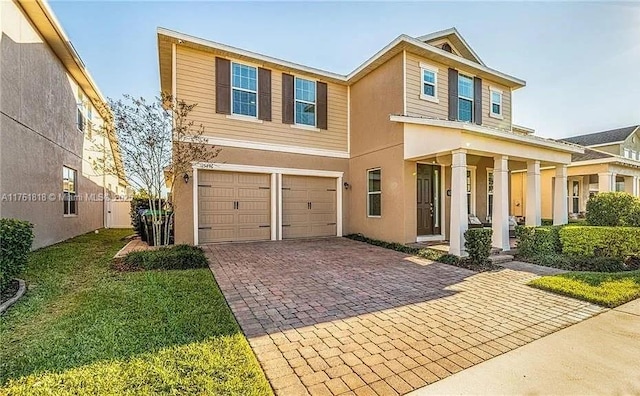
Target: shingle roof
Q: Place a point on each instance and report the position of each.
(611, 136)
(590, 155)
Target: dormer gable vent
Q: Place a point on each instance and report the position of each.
(447, 47)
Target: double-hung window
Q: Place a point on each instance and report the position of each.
(69, 177)
(465, 98)
(80, 112)
(429, 82)
(496, 103)
(575, 197)
(305, 102)
(244, 90)
(374, 193)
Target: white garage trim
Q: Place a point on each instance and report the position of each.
(195, 206)
(276, 193)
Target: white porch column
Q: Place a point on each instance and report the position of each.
(606, 182)
(636, 183)
(629, 185)
(459, 218)
(561, 196)
(500, 219)
(533, 212)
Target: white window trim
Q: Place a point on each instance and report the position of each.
(572, 197)
(241, 117)
(434, 70)
(491, 113)
(473, 116)
(238, 116)
(374, 192)
(75, 190)
(472, 168)
(315, 104)
(489, 170)
(627, 153)
(305, 127)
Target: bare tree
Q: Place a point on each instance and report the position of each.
(158, 144)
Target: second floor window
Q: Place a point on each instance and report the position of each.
(305, 102)
(244, 84)
(80, 118)
(429, 82)
(465, 98)
(496, 103)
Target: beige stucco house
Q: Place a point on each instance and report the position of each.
(610, 162)
(404, 148)
(50, 116)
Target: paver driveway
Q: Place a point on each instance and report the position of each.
(335, 316)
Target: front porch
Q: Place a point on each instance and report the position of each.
(470, 170)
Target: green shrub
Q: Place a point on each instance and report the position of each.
(580, 263)
(613, 209)
(387, 245)
(168, 258)
(553, 260)
(533, 241)
(546, 222)
(16, 237)
(437, 255)
(478, 244)
(586, 241)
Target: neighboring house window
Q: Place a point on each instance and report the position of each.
(496, 103)
(89, 122)
(429, 82)
(80, 108)
(374, 193)
(305, 102)
(627, 153)
(471, 186)
(575, 197)
(489, 194)
(69, 177)
(465, 98)
(244, 92)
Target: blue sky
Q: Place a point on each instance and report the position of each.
(581, 61)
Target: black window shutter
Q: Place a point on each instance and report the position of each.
(287, 99)
(453, 94)
(223, 86)
(477, 100)
(264, 94)
(321, 91)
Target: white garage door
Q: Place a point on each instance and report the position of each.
(308, 206)
(233, 206)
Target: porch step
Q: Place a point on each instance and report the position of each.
(501, 258)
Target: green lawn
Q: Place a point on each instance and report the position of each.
(606, 289)
(85, 329)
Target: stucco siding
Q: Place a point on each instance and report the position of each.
(195, 83)
(39, 135)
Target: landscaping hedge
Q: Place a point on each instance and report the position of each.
(616, 242)
(478, 244)
(538, 240)
(16, 237)
(168, 258)
(613, 209)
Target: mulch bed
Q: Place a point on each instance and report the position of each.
(10, 291)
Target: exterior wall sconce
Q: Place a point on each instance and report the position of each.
(186, 177)
(346, 185)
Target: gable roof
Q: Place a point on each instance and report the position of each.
(456, 39)
(167, 38)
(589, 155)
(605, 137)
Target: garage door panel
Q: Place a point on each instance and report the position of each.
(220, 219)
(326, 207)
(323, 230)
(322, 217)
(295, 231)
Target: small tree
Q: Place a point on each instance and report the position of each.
(158, 144)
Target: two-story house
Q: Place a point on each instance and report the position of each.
(50, 116)
(404, 148)
(611, 162)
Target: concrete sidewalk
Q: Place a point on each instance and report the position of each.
(600, 356)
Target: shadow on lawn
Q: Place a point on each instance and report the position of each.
(320, 281)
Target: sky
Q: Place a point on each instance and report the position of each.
(581, 61)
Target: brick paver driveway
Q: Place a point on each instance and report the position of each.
(335, 316)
